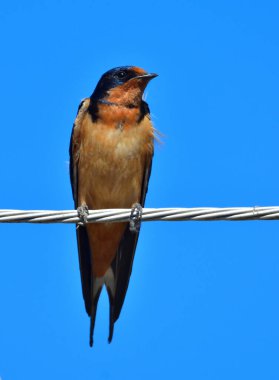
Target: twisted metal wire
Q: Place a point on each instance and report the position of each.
(148, 214)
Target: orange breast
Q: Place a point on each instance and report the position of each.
(110, 170)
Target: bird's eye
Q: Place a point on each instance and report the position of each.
(121, 74)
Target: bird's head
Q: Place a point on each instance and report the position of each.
(123, 86)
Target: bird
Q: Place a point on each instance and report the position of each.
(111, 152)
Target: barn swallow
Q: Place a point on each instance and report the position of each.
(111, 152)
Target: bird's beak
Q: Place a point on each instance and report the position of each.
(147, 76)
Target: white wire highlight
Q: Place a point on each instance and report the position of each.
(148, 214)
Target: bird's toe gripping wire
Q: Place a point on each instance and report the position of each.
(82, 214)
(135, 217)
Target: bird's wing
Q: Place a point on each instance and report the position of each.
(122, 265)
(82, 237)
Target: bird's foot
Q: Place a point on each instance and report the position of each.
(135, 217)
(83, 214)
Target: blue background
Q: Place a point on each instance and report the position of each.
(203, 299)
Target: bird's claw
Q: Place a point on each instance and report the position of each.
(82, 214)
(135, 217)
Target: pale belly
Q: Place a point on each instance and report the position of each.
(111, 166)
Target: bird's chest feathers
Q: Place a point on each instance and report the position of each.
(113, 160)
(111, 149)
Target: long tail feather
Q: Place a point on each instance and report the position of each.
(95, 299)
(111, 315)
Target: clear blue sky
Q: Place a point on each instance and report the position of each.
(203, 298)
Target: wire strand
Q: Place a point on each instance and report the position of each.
(148, 214)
